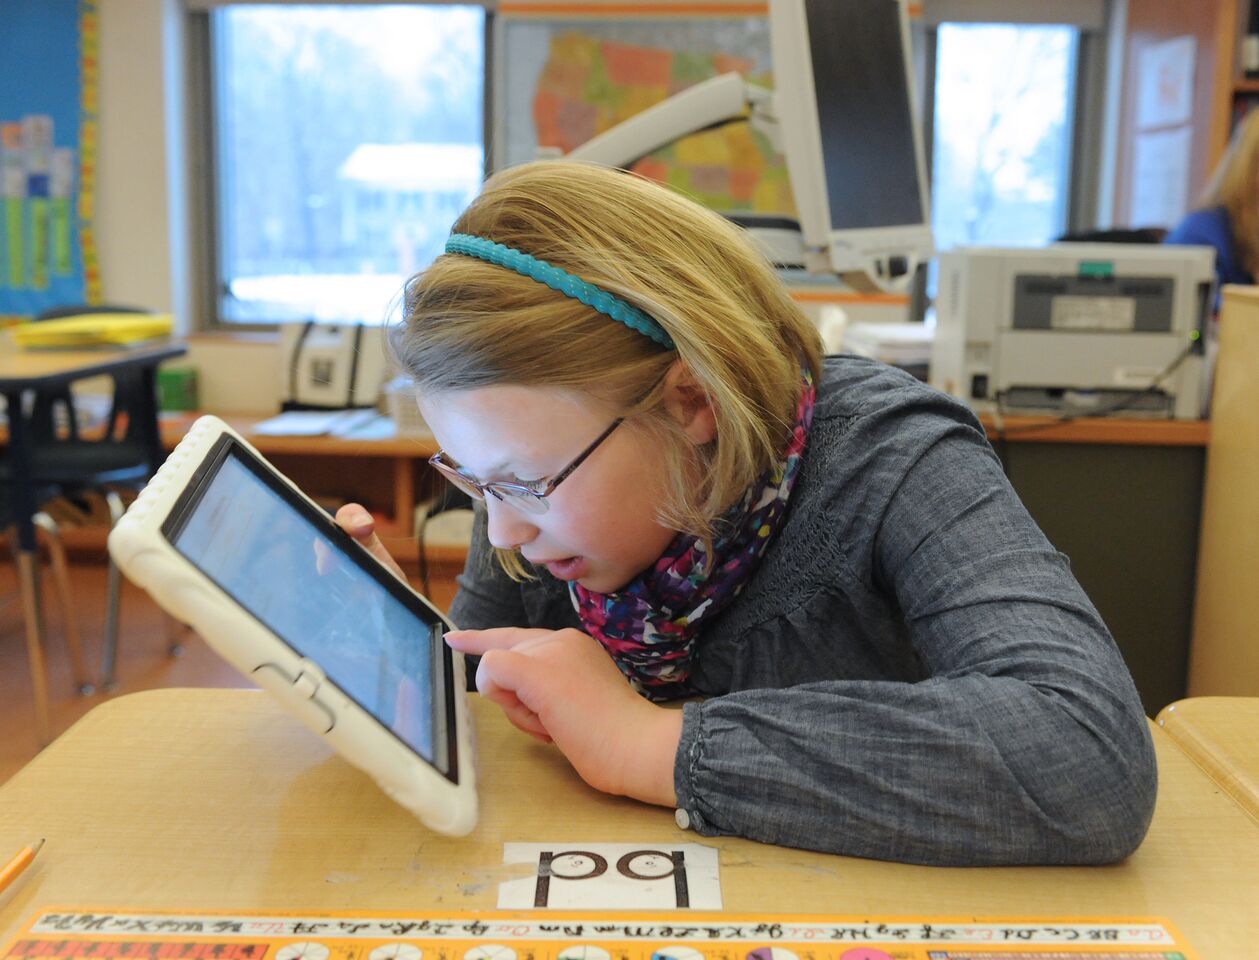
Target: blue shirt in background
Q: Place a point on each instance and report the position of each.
(1213, 228)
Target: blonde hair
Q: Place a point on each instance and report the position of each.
(1235, 187)
(468, 324)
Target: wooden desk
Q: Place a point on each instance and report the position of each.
(217, 799)
(24, 372)
(1107, 430)
(1220, 735)
(26, 368)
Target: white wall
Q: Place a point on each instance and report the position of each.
(240, 374)
(142, 220)
(140, 213)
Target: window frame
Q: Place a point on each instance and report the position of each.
(206, 207)
(1087, 180)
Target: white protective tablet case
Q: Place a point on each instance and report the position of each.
(182, 505)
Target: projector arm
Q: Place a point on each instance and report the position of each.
(709, 104)
(715, 101)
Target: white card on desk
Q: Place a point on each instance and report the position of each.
(570, 875)
(314, 423)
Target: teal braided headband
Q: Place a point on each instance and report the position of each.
(560, 280)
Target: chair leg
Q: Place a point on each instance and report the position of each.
(33, 614)
(47, 526)
(113, 587)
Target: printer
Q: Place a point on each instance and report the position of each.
(1074, 329)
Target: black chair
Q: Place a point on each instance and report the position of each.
(122, 456)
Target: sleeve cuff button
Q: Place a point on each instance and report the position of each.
(682, 818)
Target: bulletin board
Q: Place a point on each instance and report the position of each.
(49, 76)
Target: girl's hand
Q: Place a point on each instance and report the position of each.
(561, 686)
(358, 523)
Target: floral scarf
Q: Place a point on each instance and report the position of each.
(650, 625)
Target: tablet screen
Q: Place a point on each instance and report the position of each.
(249, 534)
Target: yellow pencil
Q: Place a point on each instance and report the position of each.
(13, 869)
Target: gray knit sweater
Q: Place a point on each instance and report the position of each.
(912, 673)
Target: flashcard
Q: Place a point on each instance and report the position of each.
(592, 876)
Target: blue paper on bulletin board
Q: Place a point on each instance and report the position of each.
(48, 103)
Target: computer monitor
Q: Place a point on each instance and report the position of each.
(843, 98)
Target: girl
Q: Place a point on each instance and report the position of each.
(882, 655)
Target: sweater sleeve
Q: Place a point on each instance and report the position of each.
(1026, 744)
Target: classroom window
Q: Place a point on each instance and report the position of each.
(1002, 133)
(345, 141)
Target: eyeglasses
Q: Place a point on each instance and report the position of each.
(531, 496)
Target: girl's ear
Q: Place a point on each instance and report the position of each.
(689, 404)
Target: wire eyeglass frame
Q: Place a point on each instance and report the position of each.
(531, 496)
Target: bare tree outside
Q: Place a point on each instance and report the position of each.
(1002, 134)
(348, 139)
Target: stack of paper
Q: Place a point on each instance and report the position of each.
(900, 344)
(360, 424)
(93, 330)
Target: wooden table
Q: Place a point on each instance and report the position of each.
(26, 372)
(216, 799)
(1220, 735)
(19, 368)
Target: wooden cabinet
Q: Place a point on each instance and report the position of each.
(1224, 656)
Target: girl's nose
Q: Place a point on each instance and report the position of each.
(508, 528)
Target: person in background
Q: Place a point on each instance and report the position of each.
(1228, 214)
(681, 499)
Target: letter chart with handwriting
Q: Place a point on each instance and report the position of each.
(78, 934)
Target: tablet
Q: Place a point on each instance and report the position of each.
(225, 543)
